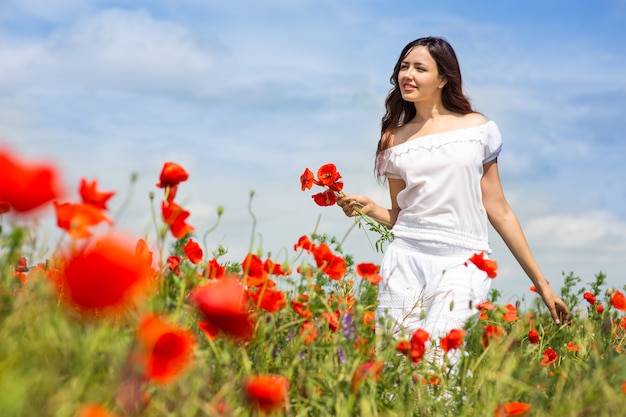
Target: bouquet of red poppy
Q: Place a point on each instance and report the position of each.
(330, 178)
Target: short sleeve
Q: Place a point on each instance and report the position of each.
(493, 142)
(385, 166)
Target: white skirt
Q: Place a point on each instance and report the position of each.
(429, 285)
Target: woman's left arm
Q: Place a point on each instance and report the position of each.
(504, 220)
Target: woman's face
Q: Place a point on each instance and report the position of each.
(418, 78)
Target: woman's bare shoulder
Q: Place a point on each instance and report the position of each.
(472, 119)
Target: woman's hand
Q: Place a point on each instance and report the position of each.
(351, 203)
(558, 310)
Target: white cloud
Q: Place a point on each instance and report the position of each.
(597, 232)
(115, 48)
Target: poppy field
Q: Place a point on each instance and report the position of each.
(110, 324)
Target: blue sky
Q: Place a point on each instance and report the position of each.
(246, 94)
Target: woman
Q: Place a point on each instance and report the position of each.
(439, 157)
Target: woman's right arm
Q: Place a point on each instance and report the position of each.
(385, 216)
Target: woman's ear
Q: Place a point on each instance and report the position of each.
(442, 82)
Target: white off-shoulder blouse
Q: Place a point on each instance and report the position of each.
(442, 201)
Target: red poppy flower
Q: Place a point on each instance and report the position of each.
(90, 195)
(618, 300)
(572, 347)
(94, 410)
(486, 305)
(370, 369)
(267, 393)
(209, 330)
(20, 270)
(165, 350)
(307, 179)
(22, 265)
(332, 319)
(193, 251)
(369, 317)
(308, 331)
(214, 270)
(5, 207)
(452, 340)
(304, 243)
(173, 262)
(76, 219)
(328, 176)
(224, 304)
(172, 174)
(275, 269)
(533, 288)
(254, 270)
(486, 265)
(590, 297)
(268, 299)
(325, 198)
(333, 266)
(175, 217)
(533, 336)
(511, 313)
(106, 275)
(301, 307)
(549, 357)
(369, 271)
(513, 409)
(417, 345)
(491, 332)
(26, 187)
(600, 308)
(403, 346)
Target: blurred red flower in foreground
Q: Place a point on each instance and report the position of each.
(370, 369)
(26, 187)
(106, 276)
(618, 300)
(452, 340)
(90, 195)
(549, 357)
(483, 264)
(94, 410)
(224, 304)
(164, 349)
(369, 271)
(267, 393)
(513, 409)
(4, 207)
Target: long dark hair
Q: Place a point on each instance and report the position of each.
(399, 111)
